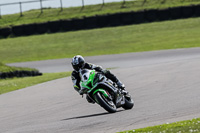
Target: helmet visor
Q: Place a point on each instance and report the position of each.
(76, 67)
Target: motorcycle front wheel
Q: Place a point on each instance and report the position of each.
(104, 102)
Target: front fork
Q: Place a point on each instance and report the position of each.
(104, 92)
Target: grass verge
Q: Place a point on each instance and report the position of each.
(5, 68)
(35, 16)
(19, 83)
(189, 126)
(174, 34)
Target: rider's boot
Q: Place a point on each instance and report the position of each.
(112, 77)
(122, 87)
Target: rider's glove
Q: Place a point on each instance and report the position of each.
(82, 91)
(89, 99)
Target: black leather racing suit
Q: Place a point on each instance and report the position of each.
(76, 78)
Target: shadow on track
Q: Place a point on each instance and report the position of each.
(87, 116)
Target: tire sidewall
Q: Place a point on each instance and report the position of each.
(129, 103)
(104, 104)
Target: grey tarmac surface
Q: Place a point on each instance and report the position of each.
(164, 85)
(115, 61)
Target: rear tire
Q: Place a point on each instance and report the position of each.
(128, 103)
(105, 103)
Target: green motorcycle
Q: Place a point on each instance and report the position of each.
(103, 91)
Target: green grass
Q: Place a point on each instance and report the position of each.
(189, 126)
(50, 14)
(7, 85)
(5, 68)
(134, 38)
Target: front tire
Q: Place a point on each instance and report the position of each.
(105, 103)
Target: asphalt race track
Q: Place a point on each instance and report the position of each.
(164, 85)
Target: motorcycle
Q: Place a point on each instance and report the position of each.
(103, 91)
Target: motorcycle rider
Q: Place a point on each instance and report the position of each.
(78, 62)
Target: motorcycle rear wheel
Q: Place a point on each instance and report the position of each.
(128, 103)
(105, 103)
